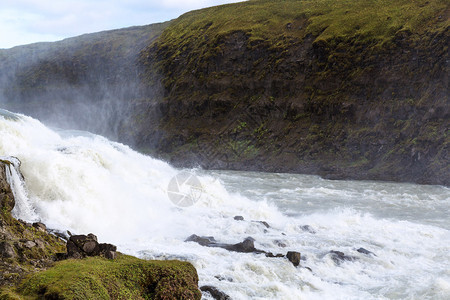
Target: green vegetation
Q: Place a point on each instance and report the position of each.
(354, 88)
(126, 277)
(279, 22)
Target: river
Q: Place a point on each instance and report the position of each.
(85, 183)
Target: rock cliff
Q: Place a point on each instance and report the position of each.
(343, 89)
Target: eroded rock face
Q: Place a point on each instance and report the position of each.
(6, 195)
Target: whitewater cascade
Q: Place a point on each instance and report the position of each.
(85, 183)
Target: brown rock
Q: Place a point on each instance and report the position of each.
(293, 257)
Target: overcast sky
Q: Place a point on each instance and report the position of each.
(29, 21)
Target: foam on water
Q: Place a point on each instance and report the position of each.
(86, 183)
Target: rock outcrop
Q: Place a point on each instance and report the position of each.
(341, 89)
(246, 246)
(80, 246)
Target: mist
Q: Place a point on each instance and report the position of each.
(91, 82)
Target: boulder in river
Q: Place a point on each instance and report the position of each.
(246, 246)
(215, 292)
(202, 240)
(338, 257)
(294, 257)
(365, 251)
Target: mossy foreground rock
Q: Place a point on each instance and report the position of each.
(126, 277)
(24, 248)
(29, 251)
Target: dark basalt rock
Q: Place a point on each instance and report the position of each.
(280, 243)
(246, 246)
(270, 254)
(239, 218)
(338, 257)
(365, 251)
(294, 257)
(202, 240)
(222, 278)
(264, 223)
(307, 228)
(214, 292)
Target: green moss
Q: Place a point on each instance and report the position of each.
(280, 23)
(126, 277)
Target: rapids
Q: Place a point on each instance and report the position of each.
(85, 183)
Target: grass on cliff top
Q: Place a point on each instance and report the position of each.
(126, 277)
(268, 20)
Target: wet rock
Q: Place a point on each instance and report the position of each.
(270, 254)
(293, 257)
(202, 240)
(239, 218)
(365, 251)
(264, 223)
(280, 243)
(308, 268)
(6, 250)
(222, 278)
(214, 292)
(61, 234)
(40, 226)
(247, 246)
(307, 228)
(338, 257)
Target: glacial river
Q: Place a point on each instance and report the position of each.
(85, 183)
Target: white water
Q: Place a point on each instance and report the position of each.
(85, 183)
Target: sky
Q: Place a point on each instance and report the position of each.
(29, 21)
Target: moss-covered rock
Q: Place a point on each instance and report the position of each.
(126, 277)
(29, 251)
